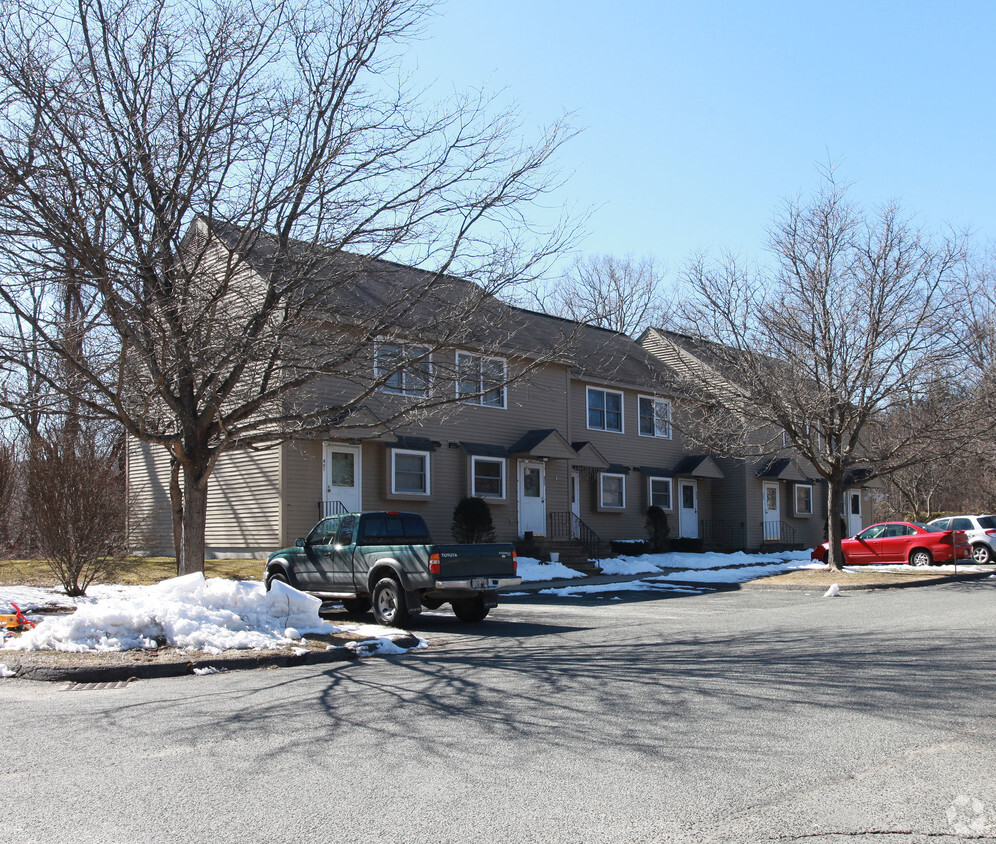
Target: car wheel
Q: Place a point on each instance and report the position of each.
(471, 610)
(276, 575)
(356, 606)
(981, 554)
(389, 605)
(921, 557)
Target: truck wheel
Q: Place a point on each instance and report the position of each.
(356, 606)
(275, 575)
(470, 610)
(389, 605)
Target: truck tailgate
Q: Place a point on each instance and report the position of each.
(461, 561)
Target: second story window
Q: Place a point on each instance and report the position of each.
(655, 417)
(605, 410)
(480, 379)
(403, 368)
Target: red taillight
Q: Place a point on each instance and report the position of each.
(515, 563)
(434, 564)
(991, 533)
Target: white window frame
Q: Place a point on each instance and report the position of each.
(670, 492)
(665, 434)
(587, 409)
(474, 460)
(411, 355)
(795, 500)
(601, 491)
(426, 462)
(481, 386)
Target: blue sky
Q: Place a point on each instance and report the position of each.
(700, 118)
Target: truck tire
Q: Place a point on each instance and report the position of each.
(389, 605)
(471, 609)
(356, 606)
(275, 575)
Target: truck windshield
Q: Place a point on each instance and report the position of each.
(393, 529)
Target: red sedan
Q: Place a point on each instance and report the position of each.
(902, 542)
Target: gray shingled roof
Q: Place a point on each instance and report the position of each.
(352, 288)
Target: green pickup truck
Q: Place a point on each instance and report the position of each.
(387, 562)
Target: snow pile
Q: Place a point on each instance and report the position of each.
(532, 570)
(192, 612)
(711, 560)
(832, 592)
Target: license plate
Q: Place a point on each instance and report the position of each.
(479, 583)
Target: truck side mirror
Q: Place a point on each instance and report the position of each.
(300, 543)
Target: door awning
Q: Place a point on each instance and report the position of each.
(699, 466)
(543, 443)
(588, 456)
(360, 424)
(784, 469)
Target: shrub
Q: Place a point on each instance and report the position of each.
(658, 529)
(75, 513)
(472, 521)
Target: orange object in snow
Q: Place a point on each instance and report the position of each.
(17, 621)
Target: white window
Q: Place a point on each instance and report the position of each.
(410, 472)
(660, 493)
(480, 379)
(488, 476)
(612, 490)
(655, 417)
(605, 410)
(804, 499)
(404, 369)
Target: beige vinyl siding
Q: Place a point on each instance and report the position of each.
(244, 505)
(150, 524)
(301, 489)
(538, 401)
(631, 450)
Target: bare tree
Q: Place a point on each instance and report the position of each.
(8, 487)
(74, 509)
(622, 294)
(847, 331)
(201, 177)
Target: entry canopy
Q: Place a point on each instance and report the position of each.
(699, 466)
(784, 469)
(588, 456)
(543, 443)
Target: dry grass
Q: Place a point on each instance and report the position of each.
(133, 571)
(824, 578)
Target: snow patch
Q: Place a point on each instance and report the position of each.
(191, 612)
(832, 592)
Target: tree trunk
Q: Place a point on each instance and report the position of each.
(835, 498)
(195, 487)
(176, 508)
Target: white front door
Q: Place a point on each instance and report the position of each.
(532, 498)
(341, 479)
(852, 504)
(771, 512)
(575, 497)
(688, 510)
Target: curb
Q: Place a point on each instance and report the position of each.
(758, 585)
(124, 673)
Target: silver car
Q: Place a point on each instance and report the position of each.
(981, 532)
